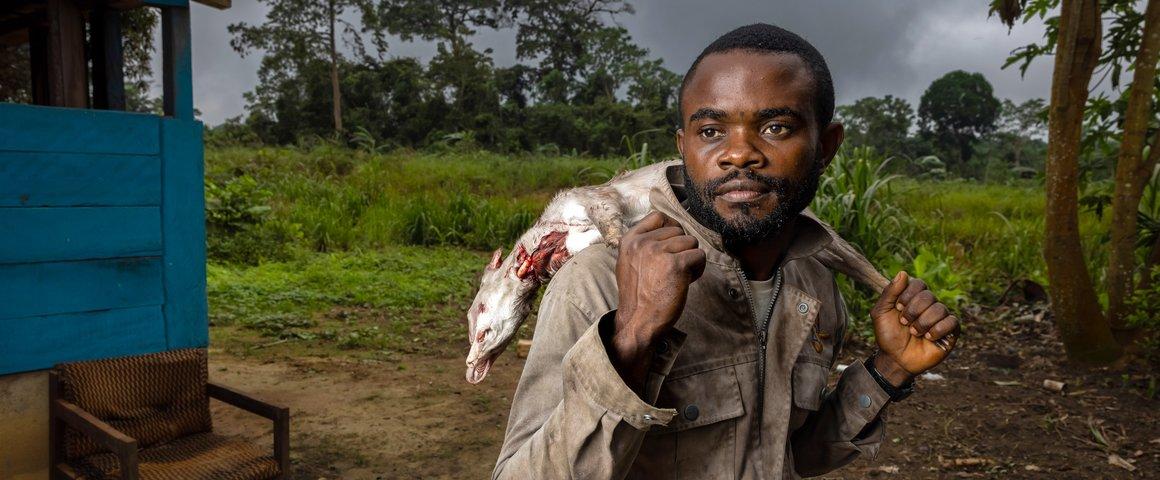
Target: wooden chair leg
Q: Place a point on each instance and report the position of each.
(282, 443)
(55, 428)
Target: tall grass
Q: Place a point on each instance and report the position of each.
(328, 198)
(992, 233)
(853, 196)
(967, 240)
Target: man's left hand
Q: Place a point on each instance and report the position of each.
(908, 320)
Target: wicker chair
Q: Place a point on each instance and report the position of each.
(147, 417)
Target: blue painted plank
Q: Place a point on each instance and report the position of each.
(54, 234)
(183, 233)
(33, 343)
(31, 128)
(30, 289)
(29, 179)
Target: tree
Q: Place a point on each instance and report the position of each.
(1076, 39)
(458, 69)
(447, 21)
(880, 123)
(137, 26)
(957, 109)
(574, 46)
(299, 32)
(558, 32)
(1019, 124)
(15, 74)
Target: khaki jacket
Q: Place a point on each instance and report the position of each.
(573, 417)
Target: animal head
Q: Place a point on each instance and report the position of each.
(505, 296)
(499, 308)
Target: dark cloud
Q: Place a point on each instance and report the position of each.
(873, 48)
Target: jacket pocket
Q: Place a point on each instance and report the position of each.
(701, 441)
(701, 399)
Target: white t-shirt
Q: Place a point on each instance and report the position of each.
(762, 295)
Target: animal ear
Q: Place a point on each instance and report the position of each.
(495, 259)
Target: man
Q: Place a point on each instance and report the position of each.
(701, 348)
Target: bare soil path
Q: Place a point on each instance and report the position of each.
(416, 418)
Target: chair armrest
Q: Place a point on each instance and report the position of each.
(280, 415)
(246, 402)
(104, 434)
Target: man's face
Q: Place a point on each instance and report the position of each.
(753, 150)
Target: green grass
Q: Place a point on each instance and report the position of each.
(399, 299)
(991, 234)
(324, 249)
(340, 199)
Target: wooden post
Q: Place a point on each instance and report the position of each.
(66, 55)
(177, 62)
(38, 63)
(108, 60)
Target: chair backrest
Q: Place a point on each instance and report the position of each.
(153, 398)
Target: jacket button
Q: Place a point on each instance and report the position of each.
(733, 293)
(803, 308)
(663, 347)
(692, 412)
(864, 400)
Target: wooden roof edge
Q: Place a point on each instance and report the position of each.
(218, 4)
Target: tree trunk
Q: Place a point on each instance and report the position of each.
(335, 92)
(1132, 174)
(1082, 326)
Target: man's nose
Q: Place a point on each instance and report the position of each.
(741, 152)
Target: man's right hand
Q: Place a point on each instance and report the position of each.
(655, 266)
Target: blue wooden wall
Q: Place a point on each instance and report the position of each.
(102, 235)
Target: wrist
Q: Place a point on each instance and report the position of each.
(628, 351)
(890, 370)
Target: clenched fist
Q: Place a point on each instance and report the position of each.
(908, 320)
(656, 264)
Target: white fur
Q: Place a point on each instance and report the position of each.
(620, 203)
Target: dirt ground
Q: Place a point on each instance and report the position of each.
(416, 417)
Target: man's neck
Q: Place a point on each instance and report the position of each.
(759, 260)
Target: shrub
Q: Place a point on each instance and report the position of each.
(238, 224)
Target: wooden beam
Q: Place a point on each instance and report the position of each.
(38, 61)
(21, 22)
(218, 4)
(177, 62)
(108, 60)
(66, 55)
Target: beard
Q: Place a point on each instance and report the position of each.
(747, 227)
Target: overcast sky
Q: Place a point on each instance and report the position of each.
(874, 48)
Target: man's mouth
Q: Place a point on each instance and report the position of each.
(741, 190)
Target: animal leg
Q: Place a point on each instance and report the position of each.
(605, 213)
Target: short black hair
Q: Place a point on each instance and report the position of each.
(765, 38)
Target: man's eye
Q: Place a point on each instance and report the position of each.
(776, 130)
(711, 133)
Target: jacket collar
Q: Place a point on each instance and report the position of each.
(668, 197)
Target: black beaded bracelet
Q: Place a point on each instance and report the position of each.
(896, 393)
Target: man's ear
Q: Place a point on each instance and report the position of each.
(680, 137)
(830, 139)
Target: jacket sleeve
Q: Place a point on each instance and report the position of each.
(851, 421)
(572, 416)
